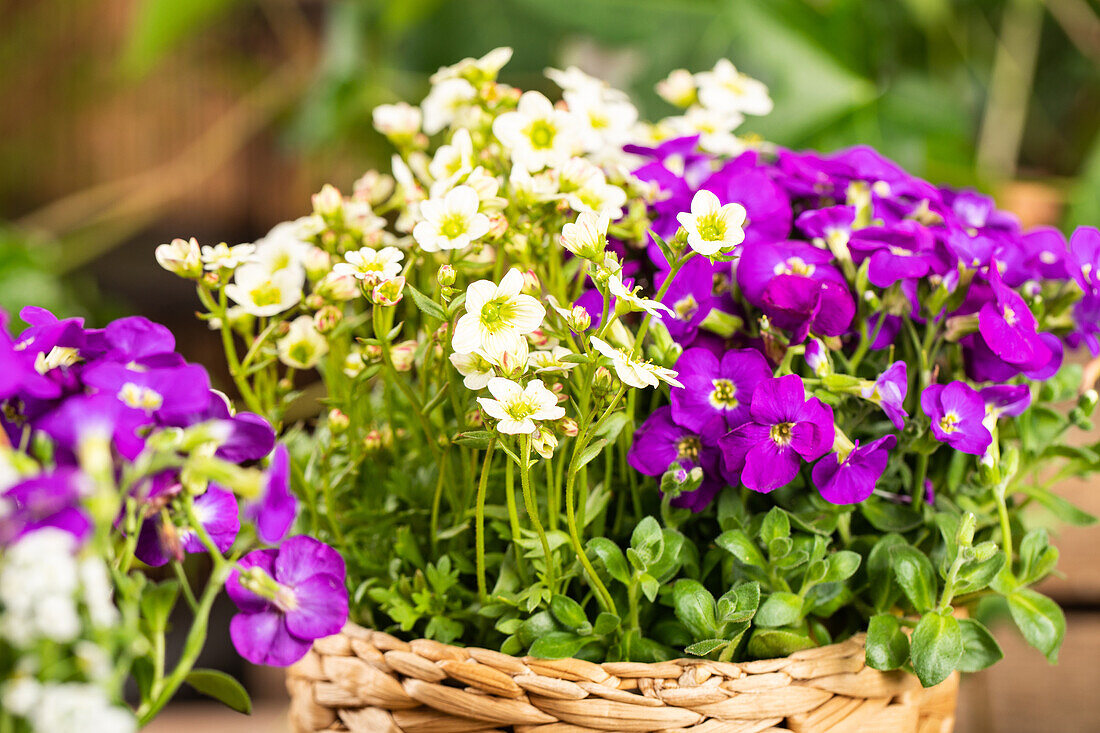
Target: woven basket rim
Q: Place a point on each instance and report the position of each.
(363, 680)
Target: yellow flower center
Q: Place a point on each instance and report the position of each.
(795, 266)
(687, 448)
(711, 228)
(266, 293)
(497, 314)
(949, 423)
(541, 133)
(453, 226)
(781, 433)
(724, 396)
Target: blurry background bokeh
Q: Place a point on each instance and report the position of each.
(126, 123)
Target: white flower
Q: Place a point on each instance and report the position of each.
(528, 189)
(38, 583)
(261, 292)
(712, 227)
(283, 248)
(454, 159)
(20, 695)
(574, 80)
(337, 287)
(678, 88)
(444, 102)
(486, 67)
(97, 592)
(599, 197)
(303, 346)
(536, 134)
(630, 296)
(75, 706)
(451, 223)
(497, 316)
(353, 362)
(376, 264)
(518, 407)
(602, 119)
(715, 129)
(587, 237)
(633, 371)
(475, 369)
(180, 257)
(725, 89)
(400, 121)
(222, 256)
(57, 618)
(551, 360)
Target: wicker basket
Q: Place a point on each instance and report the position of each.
(370, 682)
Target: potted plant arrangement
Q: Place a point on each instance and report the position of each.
(624, 426)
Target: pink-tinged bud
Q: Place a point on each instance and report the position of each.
(402, 355)
(510, 365)
(181, 257)
(446, 276)
(579, 321)
(314, 301)
(317, 263)
(531, 284)
(544, 442)
(284, 385)
(498, 225)
(327, 318)
(282, 329)
(373, 187)
(602, 380)
(372, 354)
(538, 338)
(211, 279)
(328, 201)
(474, 419)
(338, 421)
(389, 292)
(372, 441)
(568, 427)
(337, 287)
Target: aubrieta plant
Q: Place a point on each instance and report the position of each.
(116, 459)
(619, 391)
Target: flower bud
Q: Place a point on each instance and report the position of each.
(578, 321)
(818, 358)
(531, 284)
(678, 88)
(372, 354)
(568, 427)
(446, 276)
(965, 534)
(498, 226)
(338, 421)
(317, 263)
(602, 380)
(722, 323)
(372, 441)
(1087, 402)
(180, 257)
(399, 122)
(402, 355)
(389, 292)
(984, 551)
(314, 302)
(337, 288)
(328, 202)
(474, 419)
(373, 187)
(544, 442)
(327, 318)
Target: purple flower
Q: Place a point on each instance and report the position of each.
(287, 598)
(171, 389)
(660, 442)
(831, 224)
(817, 358)
(161, 539)
(899, 252)
(48, 500)
(803, 305)
(717, 392)
(784, 429)
(100, 415)
(276, 509)
(251, 437)
(1009, 328)
(956, 412)
(17, 373)
(1005, 400)
(888, 392)
(852, 480)
(760, 264)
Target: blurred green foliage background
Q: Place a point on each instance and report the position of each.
(137, 120)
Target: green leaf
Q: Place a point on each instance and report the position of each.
(222, 688)
(739, 604)
(663, 246)
(606, 623)
(779, 609)
(559, 645)
(568, 612)
(650, 586)
(887, 516)
(157, 602)
(426, 305)
(612, 558)
(1037, 557)
(478, 439)
(1040, 620)
(535, 627)
(915, 575)
(738, 544)
(883, 590)
(842, 565)
(887, 644)
(777, 525)
(980, 649)
(695, 608)
(648, 540)
(706, 646)
(936, 647)
(974, 576)
(591, 451)
(774, 643)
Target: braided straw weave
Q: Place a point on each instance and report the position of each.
(369, 682)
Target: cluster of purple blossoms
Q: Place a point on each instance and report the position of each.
(111, 390)
(818, 228)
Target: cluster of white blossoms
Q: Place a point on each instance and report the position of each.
(715, 103)
(70, 706)
(44, 587)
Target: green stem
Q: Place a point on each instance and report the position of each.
(513, 516)
(533, 511)
(480, 520)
